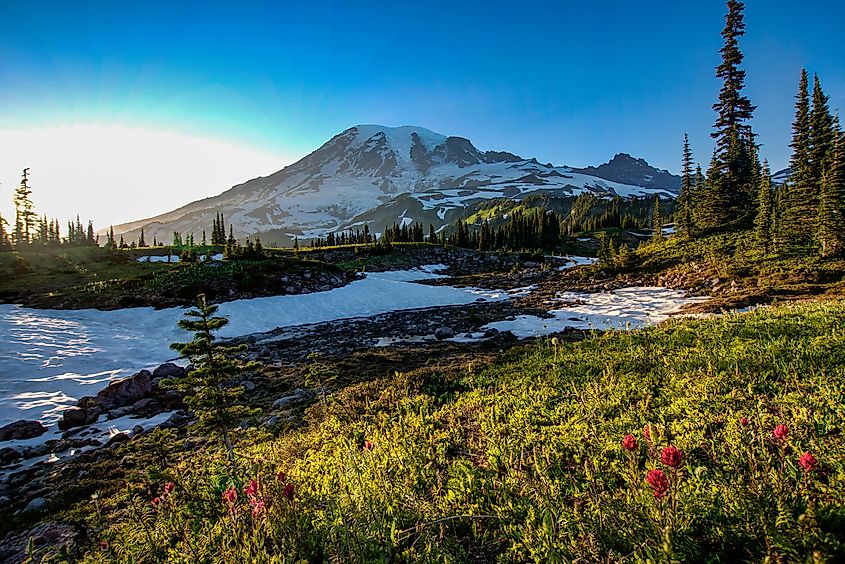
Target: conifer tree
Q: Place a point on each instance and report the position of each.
(25, 217)
(822, 136)
(141, 242)
(831, 234)
(730, 177)
(89, 236)
(4, 236)
(210, 389)
(110, 242)
(432, 234)
(684, 213)
(656, 219)
(763, 221)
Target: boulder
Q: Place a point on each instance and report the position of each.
(296, 396)
(23, 429)
(127, 391)
(79, 416)
(37, 505)
(444, 333)
(169, 370)
(9, 454)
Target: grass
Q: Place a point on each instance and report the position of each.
(521, 459)
(89, 277)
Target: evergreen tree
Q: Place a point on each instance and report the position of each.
(210, 389)
(684, 213)
(656, 219)
(764, 219)
(4, 236)
(141, 242)
(110, 242)
(432, 234)
(730, 177)
(89, 236)
(831, 234)
(822, 135)
(25, 217)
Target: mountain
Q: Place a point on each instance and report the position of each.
(781, 176)
(376, 175)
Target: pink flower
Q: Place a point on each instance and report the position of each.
(671, 456)
(281, 476)
(104, 545)
(257, 507)
(368, 446)
(629, 443)
(781, 432)
(288, 492)
(647, 432)
(169, 487)
(230, 496)
(658, 482)
(744, 421)
(251, 489)
(156, 502)
(808, 462)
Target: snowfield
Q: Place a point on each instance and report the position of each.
(627, 308)
(50, 358)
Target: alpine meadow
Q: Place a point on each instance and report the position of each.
(400, 347)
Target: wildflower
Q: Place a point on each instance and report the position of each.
(257, 507)
(671, 456)
(781, 432)
(647, 432)
(169, 487)
(658, 482)
(281, 476)
(230, 496)
(288, 492)
(808, 462)
(744, 421)
(251, 489)
(156, 502)
(104, 545)
(629, 443)
(368, 446)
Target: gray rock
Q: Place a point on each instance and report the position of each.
(127, 391)
(169, 370)
(79, 416)
(137, 430)
(296, 396)
(120, 412)
(9, 454)
(37, 505)
(117, 438)
(23, 429)
(444, 333)
(248, 385)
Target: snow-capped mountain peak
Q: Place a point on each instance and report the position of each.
(372, 174)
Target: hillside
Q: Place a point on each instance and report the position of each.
(521, 457)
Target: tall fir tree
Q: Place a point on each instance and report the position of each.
(730, 177)
(763, 221)
(686, 197)
(802, 192)
(25, 216)
(822, 136)
(656, 219)
(141, 242)
(831, 232)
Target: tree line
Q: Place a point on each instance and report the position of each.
(804, 216)
(31, 229)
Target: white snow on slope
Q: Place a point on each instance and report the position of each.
(627, 308)
(50, 358)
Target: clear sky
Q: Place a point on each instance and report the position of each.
(125, 109)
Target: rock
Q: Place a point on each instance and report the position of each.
(9, 454)
(120, 412)
(23, 429)
(117, 438)
(127, 391)
(444, 333)
(176, 420)
(248, 385)
(491, 332)
(272, 421)
(79, 416)
(296, 396)
(37, 505)
(47, 542)
(137, 430)
(142, 404)
(530, 264)
(169, 370)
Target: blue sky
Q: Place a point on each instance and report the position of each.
(571, 83)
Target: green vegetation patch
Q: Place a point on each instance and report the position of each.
(735, 453)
